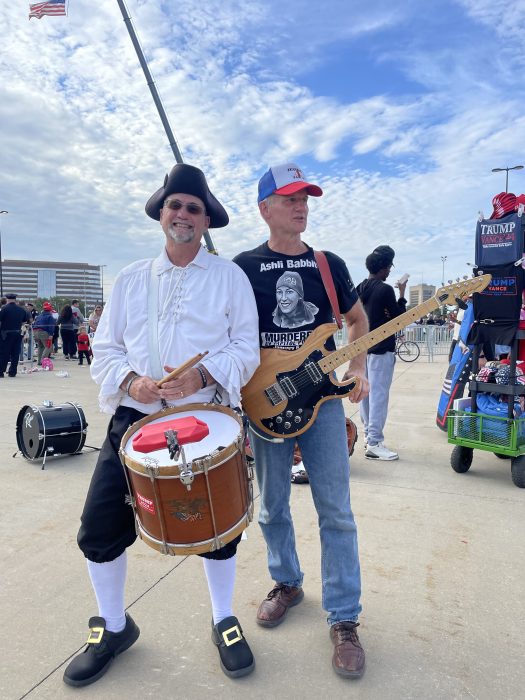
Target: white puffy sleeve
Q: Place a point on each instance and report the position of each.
(110, 357)
(233, 366)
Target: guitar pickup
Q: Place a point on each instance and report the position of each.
(314, 372)
(289, 387)
(275, 394)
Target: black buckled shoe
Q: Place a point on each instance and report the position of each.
(102, 647)
(235, 654)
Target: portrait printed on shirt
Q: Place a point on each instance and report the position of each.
(292, 311)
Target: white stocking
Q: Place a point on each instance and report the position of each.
(221, 580)
(108, 581)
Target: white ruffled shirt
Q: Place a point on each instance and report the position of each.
(207, 305)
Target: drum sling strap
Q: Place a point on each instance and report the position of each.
(153, 322)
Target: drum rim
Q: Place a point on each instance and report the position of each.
(196, 547)
(19, 426)
(173, 471)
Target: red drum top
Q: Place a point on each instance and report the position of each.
(151, 436)
(224, 434)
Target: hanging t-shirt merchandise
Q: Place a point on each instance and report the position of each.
(291, 298)
(497, 308)
(499, 241)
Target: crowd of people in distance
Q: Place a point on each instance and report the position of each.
(434, 320)
(28, 333)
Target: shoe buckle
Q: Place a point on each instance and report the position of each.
(95, 635)
(228, 637)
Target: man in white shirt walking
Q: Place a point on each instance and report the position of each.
(203, 303)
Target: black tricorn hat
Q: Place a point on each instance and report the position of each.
(187, 179)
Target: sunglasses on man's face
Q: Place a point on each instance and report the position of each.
(190, 207)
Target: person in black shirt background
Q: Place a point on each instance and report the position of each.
(380, 304)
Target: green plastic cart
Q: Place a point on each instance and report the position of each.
(504, 437)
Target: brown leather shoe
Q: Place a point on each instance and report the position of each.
(349, 658)
(274, 607)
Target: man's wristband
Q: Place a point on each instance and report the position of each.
(130, 382)
(204, 378)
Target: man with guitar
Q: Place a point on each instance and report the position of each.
(292, 302)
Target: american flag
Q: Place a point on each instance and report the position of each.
(51, 7)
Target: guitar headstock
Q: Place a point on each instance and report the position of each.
(462, 290)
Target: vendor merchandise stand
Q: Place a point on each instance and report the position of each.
(505, 437)
(469, 429)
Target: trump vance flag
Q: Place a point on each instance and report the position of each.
(51, 7)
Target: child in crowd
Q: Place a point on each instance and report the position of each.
(84, 349)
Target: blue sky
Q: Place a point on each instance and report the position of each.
(399, 111)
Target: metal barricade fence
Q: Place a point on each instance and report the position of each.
(432, 340)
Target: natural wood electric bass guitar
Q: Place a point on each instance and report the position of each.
(283, 396)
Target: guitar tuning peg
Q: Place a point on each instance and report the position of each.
(458, 279)
(465, 277)
(450, 281)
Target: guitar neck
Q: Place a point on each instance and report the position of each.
(337, 358)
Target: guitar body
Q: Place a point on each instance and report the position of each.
(283, 396)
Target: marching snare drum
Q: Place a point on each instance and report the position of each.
(50, 430)
(202, 498)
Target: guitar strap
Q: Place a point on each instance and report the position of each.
(328, 281)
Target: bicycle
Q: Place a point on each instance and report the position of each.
(406, 350)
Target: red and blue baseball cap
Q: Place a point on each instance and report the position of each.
(284, 180)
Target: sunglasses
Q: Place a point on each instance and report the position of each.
(190, 207)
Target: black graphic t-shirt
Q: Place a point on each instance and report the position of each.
(290, 295)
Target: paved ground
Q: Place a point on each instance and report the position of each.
(442, 559)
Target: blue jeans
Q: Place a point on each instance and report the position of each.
(324, 449)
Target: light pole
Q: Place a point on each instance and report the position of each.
(85, 300)
(2, 211)
(500, 170)
(101, 268)
(443, 259)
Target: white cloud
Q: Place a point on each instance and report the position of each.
(82, 147)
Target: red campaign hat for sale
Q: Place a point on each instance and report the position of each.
(520, 199)
(504, 203)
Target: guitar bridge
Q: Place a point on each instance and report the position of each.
(275, 394)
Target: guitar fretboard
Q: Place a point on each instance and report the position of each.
(365, 342)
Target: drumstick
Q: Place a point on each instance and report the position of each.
(179, 370)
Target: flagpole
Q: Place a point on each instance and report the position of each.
(156, 99)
